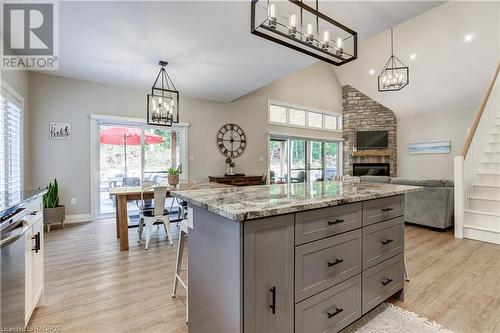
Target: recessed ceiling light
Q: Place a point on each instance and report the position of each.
(468, 38)
(413, 56)
(371, 71)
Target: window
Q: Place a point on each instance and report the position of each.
(277, 114)
(297, 160)
(11, 128)
(297, 117)
(284, 115)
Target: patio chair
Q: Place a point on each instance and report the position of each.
(149, 217)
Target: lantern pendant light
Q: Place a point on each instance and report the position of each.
(395, 75)
(163, 102)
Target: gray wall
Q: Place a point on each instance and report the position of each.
(443, 126)
(67, 100)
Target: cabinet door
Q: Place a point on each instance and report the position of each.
(37, 264)
(268, 256)
(28, 258)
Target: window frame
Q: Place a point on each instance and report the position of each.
(307, 110)
(9, 93)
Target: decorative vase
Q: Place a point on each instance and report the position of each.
(173, 180)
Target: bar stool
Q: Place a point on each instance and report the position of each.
(185, 224)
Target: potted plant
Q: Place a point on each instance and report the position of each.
(230, 165)
(53, 212)
(173, 176)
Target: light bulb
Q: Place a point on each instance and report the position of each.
(326, 38)
(271, 13)
(172, 102)
(309, 28)
(292, 30)
(309, 34)
(340, 50)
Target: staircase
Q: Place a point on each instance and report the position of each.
(477, 173)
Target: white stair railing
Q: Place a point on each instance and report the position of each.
(468, 164)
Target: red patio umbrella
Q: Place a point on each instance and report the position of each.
(127, 136)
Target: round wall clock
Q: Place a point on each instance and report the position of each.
(231, 140)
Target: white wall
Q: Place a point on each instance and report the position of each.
(68, 100)
(443, 126)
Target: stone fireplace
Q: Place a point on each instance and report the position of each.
(361, 113)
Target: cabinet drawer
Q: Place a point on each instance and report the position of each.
(383, 209)
(382, 281)
(325, 222)
(331, 310)
(382, 241)
(324, 263)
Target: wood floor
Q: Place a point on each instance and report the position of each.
(93, 287)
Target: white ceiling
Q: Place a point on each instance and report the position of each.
(211, 52)
(448, 73)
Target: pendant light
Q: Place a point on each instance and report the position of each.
(296, 25)
(163, 102)
(395, 75)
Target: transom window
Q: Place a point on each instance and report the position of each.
(288, 115)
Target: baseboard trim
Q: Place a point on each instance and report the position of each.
(482, 235)
(78, 218)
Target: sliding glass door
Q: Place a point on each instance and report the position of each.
(131, 154)
(298, 165)
(306, 160)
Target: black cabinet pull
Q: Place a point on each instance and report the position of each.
(386, 282)
(337, 221)
(273, 304)
(337, 261)
(333, 314)
(387, 241)
(36, 248)
(387, 209)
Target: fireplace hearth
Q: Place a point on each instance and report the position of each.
(371, 169)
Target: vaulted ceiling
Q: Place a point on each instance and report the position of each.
(211, 52)
(451, 51)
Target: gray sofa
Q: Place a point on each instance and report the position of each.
(432, 207)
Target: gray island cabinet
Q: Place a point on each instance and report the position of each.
(311, 257)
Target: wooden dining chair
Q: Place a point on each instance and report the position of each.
(149, 217)
(185, 224)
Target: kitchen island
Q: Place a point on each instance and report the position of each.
(306, 257)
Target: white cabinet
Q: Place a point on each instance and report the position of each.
(34, 252)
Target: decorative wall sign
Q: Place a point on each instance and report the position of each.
(437, 147)
(59, 131)
(231, 140)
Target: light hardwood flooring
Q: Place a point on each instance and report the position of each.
(93, 287)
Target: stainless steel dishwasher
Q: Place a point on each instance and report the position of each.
(12, 285)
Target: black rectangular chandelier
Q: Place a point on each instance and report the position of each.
(305, 29)
(163, 102)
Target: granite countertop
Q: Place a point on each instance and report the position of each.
(16, 198)
(252, 202)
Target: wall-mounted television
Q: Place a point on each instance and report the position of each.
(372, 139)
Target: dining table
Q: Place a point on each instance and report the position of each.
(125, 194)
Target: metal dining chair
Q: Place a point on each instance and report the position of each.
(149, 217)
(185, 224)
